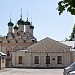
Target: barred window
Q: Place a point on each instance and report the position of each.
(59, 59)
(2, 59)
(36, 59)
(20, 60)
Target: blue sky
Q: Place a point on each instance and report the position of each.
(45, 17)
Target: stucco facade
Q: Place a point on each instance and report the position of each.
(23, 50)
(17, 38)
(15, 57)
(43, 49)
(2, 60)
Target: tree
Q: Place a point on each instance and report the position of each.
(68, 5)
(73, 33)
(66, 39)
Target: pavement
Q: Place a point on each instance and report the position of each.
(20, 71)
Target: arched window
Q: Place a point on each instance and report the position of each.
(8, 53)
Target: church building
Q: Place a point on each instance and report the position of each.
(45, 53)
(23, 50)
(17, 40)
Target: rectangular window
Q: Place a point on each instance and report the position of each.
(59, 59)
(47, 59)
(2, 59)
(20, 60)
(36, 59)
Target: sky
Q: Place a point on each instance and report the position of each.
(45, 18)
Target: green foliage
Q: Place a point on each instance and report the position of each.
(68, 5)
(66, 39)
(72, 34)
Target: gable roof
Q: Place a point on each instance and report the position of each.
(52, 41)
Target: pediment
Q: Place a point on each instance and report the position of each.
(49, 45)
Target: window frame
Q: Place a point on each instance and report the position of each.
(59, 59)
(36, 59)
(2, 59)
(19, 59)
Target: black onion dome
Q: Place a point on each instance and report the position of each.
(15, 27)
(20, 22)
(10, 23)
(27, 22)
(32, 27)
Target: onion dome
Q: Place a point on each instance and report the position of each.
(27, 22)
(32, 27)
(10, 23)
(15, 27)
(21, 22)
